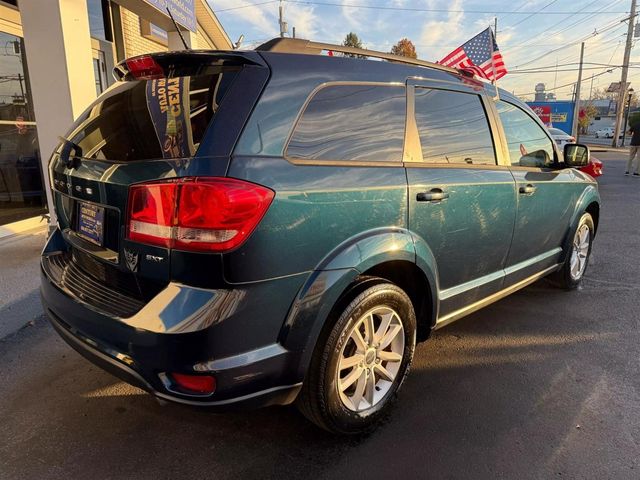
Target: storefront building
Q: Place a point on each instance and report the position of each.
(56, 57)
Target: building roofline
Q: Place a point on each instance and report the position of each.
(202, 6)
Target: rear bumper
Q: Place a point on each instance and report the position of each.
(121, 366)
(236, 342)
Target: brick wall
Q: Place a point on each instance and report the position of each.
(134, 42)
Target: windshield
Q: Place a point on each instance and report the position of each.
(151, 119)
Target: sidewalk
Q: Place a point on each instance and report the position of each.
(604, 148)
(20, 279)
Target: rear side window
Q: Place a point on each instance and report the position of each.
(151, 119)
(352, 123)
(529, 145)
(453, 128)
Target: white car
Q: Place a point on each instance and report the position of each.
(605, 132)
(561, 137)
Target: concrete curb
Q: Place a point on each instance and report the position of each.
(602, 148)
(23, 226)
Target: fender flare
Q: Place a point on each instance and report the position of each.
(334, 275)
(588, 196)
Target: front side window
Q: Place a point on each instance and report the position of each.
(529, 145)
(453, 128)
(352, 123)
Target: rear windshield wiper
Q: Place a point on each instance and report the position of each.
(69, 147)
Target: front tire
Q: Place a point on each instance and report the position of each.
(359, 364)
(575, 265)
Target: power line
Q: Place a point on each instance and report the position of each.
(565, 70)
(535, 36)
(244, 6)
(437, 10)
(534, 13)
(569, 84)
(552, 67)
(523, 4)
(613, 24)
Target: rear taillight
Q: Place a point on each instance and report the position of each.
(199, 214)
(144, 68)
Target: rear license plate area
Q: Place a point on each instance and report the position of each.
(90, 223)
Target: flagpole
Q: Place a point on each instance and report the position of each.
(494, 82)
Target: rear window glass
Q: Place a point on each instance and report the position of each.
(151, 119)
(352, 123)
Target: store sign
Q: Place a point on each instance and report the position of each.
(544, 112)
(558, 117)
(183, 11)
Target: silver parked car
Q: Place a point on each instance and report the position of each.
(561, 137)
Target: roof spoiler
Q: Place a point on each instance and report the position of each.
(181, 63)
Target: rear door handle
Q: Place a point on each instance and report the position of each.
(527, 189)
(433, 195)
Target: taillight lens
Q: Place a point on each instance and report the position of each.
(152, 212)
(144, 68)
(197, 214)
(199, 384)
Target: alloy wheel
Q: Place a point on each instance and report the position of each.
(370, 359)
(580, 252)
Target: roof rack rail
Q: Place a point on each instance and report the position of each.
(297, 45)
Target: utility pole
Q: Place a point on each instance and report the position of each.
(283, 24)
(622, 93)
(576, 106)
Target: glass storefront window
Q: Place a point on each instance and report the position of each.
(96, 19)
(21, 192)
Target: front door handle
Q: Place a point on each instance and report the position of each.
(433, 195)
(527, 189)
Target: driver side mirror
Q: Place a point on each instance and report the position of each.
(576, 155)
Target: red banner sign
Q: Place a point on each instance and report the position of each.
(544, 112)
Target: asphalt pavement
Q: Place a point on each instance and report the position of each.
(20, 280)
(543, 384)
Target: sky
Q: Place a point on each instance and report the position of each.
(532, 35)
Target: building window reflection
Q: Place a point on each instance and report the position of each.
(99, 21)
(21, 193)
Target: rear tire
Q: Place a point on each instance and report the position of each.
(360, 362)
(575, 265)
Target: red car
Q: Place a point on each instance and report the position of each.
(594, 168)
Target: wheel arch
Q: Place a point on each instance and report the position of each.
(594, 210)
(389, 254)
(410, 278)
(588, 202)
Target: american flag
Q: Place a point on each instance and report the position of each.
(479, 55)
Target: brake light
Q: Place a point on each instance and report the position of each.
(144, 68)
(196, 214)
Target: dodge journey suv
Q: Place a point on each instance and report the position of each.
(250, 228)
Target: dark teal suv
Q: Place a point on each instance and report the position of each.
(276, 226)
